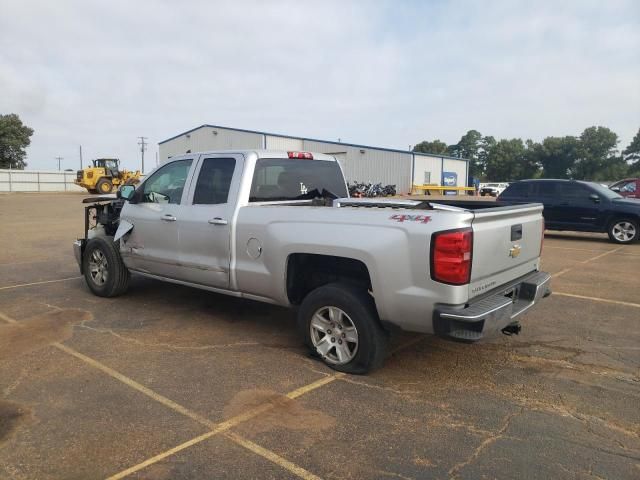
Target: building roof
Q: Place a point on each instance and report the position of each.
(313, 140)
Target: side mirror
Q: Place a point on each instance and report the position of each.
(615, 189)
(126, 192)
(594, 197)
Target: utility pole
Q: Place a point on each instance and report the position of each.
(80, 157)
(59, 161)
(143, 147)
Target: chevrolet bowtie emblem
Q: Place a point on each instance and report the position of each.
(515, 251)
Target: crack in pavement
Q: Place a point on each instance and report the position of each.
(485, 443)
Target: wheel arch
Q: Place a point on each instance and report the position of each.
(307, 271)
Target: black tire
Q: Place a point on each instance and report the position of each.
(104, 186)
(117, 274)
(360, 309)
(623, 230)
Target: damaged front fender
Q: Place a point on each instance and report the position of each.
(123, 228)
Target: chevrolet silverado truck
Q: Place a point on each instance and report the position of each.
(279, 227)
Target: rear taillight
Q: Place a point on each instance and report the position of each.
(451, 256)
(301, 155)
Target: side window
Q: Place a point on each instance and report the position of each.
(628, 187)
(575, 192)
(214, 181)
(546, 189)
(167, 184)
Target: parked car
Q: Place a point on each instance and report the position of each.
(492, 189)
(278, 227)
(580, 206)
(629, 188)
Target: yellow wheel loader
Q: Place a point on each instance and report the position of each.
(104, 175)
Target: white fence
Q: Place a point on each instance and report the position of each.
(38, 181)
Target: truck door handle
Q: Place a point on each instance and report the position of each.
(218, 221)
(167, 217)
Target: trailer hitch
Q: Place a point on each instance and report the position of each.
(512, 329)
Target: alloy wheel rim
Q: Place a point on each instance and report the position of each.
(624, 231)
(334, 335)
(98, 268)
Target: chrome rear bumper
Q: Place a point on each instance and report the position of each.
(494, 312)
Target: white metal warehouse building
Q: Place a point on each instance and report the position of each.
(361, 163)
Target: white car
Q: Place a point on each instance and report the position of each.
(493, 189)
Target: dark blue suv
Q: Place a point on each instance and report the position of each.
(580, 206)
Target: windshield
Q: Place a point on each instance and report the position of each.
(294, 179)
(604, 191)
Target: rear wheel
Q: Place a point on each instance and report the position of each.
(105, 273)
(624, 230)
(104, 185)
(340, 324)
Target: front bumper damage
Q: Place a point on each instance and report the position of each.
(493, 312)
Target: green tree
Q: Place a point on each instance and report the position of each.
(556, 156)
(469, 147)
(596, 153)
(436, 147)
(632, 154)
(14, 138)
(486, 144)
(509, 160)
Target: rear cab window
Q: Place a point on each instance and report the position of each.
(516, 190)
(286, 179)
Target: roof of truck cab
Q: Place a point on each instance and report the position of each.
(259, 152)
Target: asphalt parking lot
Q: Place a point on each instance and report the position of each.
(168, 382)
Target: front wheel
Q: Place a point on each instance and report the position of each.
(340, 324)
(104, 186)
(105, 273)
(624, 230)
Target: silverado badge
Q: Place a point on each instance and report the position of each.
(515, 251)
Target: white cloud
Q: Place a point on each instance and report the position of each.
(381, 73)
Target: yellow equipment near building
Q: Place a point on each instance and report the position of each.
(104, 175)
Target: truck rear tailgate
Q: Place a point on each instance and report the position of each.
(506, 245)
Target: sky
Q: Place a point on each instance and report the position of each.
(382, 73)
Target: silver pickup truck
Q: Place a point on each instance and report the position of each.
(278, 227)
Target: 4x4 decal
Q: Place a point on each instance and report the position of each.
(410, 218)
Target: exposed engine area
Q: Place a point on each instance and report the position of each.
(102, 214)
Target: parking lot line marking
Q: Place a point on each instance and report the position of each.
(227, 425)
(163, 455)
(312, 386)
(597, 299)
(572, 248)
(215, 428)
(7, 319)
(588, 260)
(136, 386)
(273, 457)
(39, 283)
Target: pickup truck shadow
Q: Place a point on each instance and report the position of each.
(186, 318)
